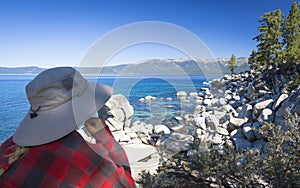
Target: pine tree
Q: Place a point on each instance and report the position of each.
(253, 60)
(269, 46)
(291, 36)
(232, 63)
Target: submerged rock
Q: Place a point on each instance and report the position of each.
(181, 94)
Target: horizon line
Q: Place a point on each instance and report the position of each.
(137, 62)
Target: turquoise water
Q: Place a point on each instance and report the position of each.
(14, 104)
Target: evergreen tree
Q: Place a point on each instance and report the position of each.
(291, 36)
(269, 46)
(253, 60)
(232, 63)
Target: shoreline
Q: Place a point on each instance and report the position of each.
(233, 107)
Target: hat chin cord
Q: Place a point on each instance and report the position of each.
(33, 113)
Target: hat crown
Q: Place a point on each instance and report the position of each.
(54, 87)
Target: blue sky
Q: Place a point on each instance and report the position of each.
(49, 33)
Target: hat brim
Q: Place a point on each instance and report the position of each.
(50, 125)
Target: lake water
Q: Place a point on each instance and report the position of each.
(14, 104)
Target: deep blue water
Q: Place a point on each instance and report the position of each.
(14, 105)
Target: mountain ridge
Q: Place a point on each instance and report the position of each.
(150, 67)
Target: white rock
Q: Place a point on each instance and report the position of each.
(227, 77)
(139, 127)
(118, 134)
(236, 122)
(119, 101)
(177, 127)
(161, 129)
(209, 96)
(169, 99)
(236, 97)
(222, 131)
(142, 99)
(206, 114)
(149, 127)
(137, 152)
(150, 166)
(200, 122)
(118, 125)
(110, 126)
(132, 135)
(135, 141)
(217, 139)
(207, 102)
(219, 114)
(215, 102)
(223, 101)
(145, 140)
(199, 109)
(228, 108)
(248, 132)
(227, 92)
(136, 123)
(267, 115)
(149, 98)
(228, 97)
(169, 106)
(198, 131)
(124, 138)
(182, 99)
(199, 101)
(118, 114)
(280, 99)
(258, 107)
(181, 94)
(193, 94)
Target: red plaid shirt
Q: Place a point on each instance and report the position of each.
(68, 162)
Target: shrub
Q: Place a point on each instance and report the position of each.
(275, 165)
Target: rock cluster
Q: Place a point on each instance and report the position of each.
(241, 103)
(134, 138)
(232, 107)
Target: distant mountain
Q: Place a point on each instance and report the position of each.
(21, 70)
(178, 67)
(151, 67)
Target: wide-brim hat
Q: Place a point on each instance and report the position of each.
(60, 100)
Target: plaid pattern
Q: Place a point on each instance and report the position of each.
(68, 162)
